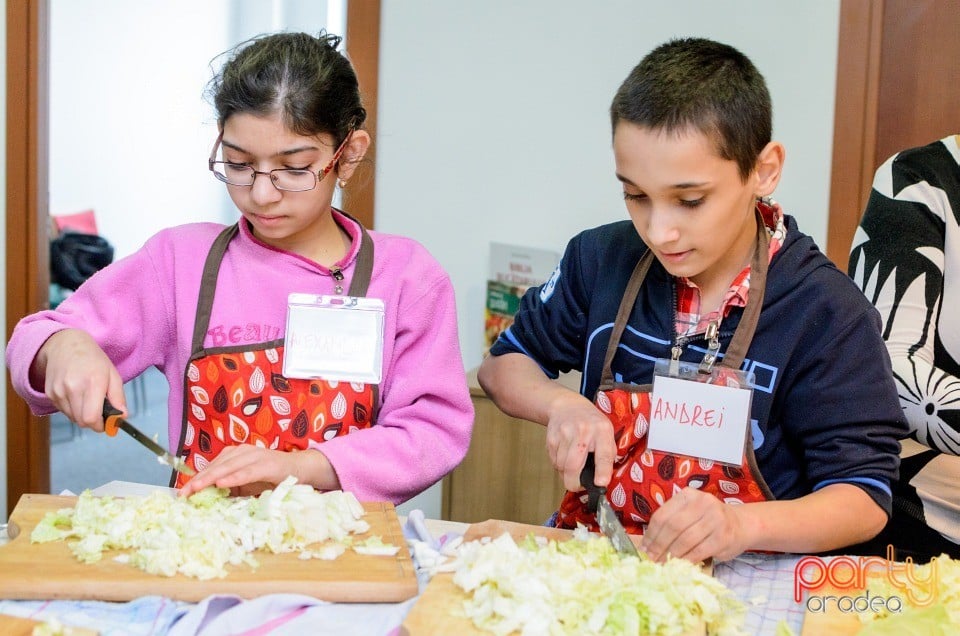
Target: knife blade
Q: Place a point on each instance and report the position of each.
(113, 421)
(607, 519)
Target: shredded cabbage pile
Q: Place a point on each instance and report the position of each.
(583, 586)
(942, 616)
(52, 627)
(199, 535)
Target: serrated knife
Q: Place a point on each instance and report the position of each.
(113, 421)
(607, 519)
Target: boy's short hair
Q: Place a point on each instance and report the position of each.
(710, 86)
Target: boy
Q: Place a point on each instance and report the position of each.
(710, 277)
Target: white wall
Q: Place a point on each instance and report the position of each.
(493, 117)
(130, 128)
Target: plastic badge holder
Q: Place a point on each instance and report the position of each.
(336, 338)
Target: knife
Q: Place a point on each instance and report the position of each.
(113, 420)
(606, 518)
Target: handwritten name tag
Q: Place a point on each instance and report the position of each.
(699, 419)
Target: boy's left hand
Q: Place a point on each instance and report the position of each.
(245, 470)
(695, 525)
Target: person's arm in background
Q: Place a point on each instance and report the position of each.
(898, 260)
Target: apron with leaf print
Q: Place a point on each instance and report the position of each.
(644, 479)
(239, 395)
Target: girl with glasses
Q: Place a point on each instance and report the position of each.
(295, 341)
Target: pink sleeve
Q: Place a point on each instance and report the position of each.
(132, 326)
(426, 416)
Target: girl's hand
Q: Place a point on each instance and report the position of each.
(576, 427)
(76, 375)
(249, 470)
(695, 525)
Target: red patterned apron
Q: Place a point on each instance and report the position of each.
(644, 479)
(239, 395)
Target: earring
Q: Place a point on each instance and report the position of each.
(342, 183)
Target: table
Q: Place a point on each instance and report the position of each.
(763, 582)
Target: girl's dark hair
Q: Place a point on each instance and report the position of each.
(710, 86)
(304, 79)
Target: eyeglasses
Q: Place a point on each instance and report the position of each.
(285, 179)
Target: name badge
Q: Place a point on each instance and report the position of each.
(700, 414)
(336, 338)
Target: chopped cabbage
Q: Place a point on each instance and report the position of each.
(929, 621)
(583, 586)
(375, 546)
(941, 616)
(199, 536)
(52, 627)
(783, 629)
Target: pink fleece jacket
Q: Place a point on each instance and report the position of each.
(141, 311)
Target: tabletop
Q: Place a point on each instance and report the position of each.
(764, 583)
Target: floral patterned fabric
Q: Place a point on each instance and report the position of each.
(239, 395)
(243, 398)
(644, 479)
(905, 258)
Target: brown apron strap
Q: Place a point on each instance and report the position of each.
(737, 350)
(211, 269)
(740, 343)
(364, 269)
(208, 284)
(623, 314)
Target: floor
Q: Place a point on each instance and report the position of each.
(81, 459)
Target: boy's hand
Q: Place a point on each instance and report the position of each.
(76, 375)
(576, 427)
(695, 525)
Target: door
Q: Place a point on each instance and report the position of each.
(896, 88)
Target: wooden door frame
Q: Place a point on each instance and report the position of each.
(27, 245)
(855, 122)
(363, 49)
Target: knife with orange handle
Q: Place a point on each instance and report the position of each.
(113, 421)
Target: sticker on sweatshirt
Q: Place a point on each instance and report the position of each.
(334, 338)
(547, 290)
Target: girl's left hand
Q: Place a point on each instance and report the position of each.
(695, 525)
(246, 470)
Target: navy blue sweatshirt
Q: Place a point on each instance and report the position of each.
(825, 408)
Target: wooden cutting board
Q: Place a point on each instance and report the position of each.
(439, 608)
(50, 571)
(16, 626)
